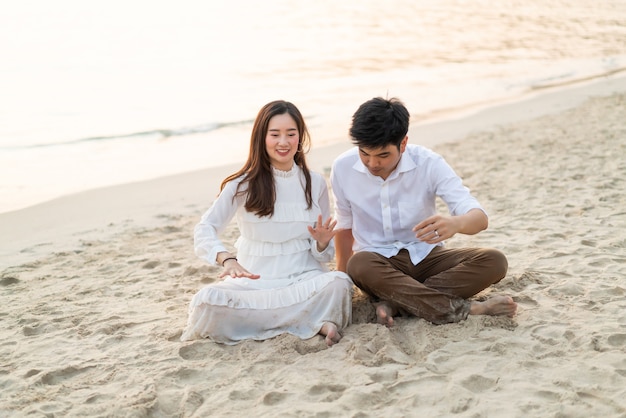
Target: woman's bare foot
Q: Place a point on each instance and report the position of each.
(384, 314)
(330, 331)
(496, 306)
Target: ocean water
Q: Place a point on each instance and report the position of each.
(102, 93)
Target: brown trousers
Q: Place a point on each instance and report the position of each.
(437, 288)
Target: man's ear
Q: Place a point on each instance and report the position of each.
(403, 143)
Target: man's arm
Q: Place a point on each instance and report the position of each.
(439, 228)
(472, 222)
(343, 248)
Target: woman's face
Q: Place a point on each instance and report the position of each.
(281, 141)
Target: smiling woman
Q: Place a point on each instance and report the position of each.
(282, 141)
(279, 281)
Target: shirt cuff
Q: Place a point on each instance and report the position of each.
(211, 257)
(325, 255)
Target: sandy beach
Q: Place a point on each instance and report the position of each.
(95, 289)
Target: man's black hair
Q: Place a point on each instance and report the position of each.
(379, 122)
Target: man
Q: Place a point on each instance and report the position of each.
(390, 238)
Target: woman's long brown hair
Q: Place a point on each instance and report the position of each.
(257, 171)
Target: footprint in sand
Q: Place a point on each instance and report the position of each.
(32, 372)
(56, 377)
(478, 384)
(8, 281)
(326, 393)
(273, 398)
(241, 395)
(190, 352)
(150, 264)
(617, 340)
(190, 402)
(29, 331)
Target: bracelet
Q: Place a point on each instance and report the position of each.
(228, 258)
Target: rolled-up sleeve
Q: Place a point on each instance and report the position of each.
(449, 187)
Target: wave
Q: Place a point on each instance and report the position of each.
(515, 92)
(155, 134)
(568, 79)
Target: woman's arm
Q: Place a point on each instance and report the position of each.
(207, 244)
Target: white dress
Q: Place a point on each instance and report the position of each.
(296, 292)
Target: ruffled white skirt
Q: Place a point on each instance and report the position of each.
(237, 309)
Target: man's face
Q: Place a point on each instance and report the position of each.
(382, 161)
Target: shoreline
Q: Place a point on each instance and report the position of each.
(325, 133)
(29, 232)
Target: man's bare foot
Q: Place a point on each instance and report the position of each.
(330, 331)
(496, 306)
(384, 314)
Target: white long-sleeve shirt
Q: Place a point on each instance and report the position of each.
(279, 248)
(382, 213)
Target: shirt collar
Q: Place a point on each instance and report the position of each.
(405, 164)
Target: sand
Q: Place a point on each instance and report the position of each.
(95, 288)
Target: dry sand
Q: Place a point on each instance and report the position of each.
(95, 288)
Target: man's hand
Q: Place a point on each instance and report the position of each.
(438, 228)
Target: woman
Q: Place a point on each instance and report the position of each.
(276, 283)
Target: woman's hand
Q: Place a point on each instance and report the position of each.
(323, 232)
(232, 268)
